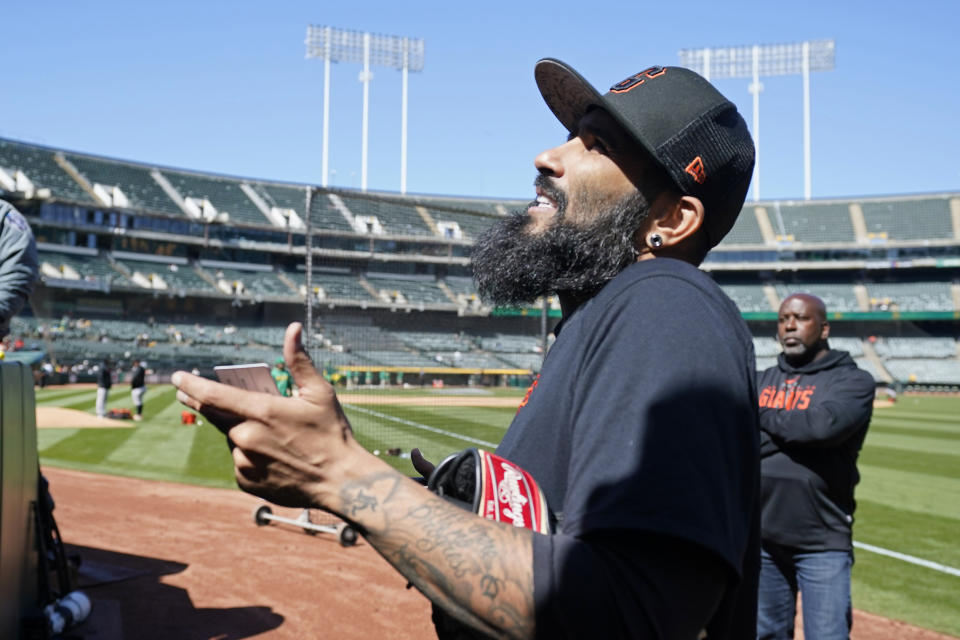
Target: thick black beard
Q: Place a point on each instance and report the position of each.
(513, 266)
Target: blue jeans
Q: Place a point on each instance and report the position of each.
(823, 579)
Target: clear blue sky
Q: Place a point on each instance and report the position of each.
(225, 86)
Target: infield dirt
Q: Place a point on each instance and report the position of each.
(164, 560)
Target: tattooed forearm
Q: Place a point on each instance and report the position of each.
(481, 572)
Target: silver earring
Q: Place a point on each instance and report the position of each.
(656, 241)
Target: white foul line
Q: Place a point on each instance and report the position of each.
(424, 427)
(860, 545)
(911, 559)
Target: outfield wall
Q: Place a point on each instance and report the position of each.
(19, 466)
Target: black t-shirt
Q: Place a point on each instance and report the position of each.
(643, 422)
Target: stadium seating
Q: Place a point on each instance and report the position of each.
(838, 297)
(41, 168)
(412, 290)
(812, 222)
(141, 190)
(910, 296)
(392, 270)
(323, 214)
(223, 193)
(75, 267)
(333, 286)
(396, 218)
(745, 230)
(925, 371)
(908, 219)
(167, 274)
(747, 297)
(896, 347)
(471, 225)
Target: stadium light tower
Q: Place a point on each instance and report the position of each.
(340, 45)
(757, 61)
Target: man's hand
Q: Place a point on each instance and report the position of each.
(285, 450)
(300, 452)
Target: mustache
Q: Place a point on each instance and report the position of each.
(545, 184)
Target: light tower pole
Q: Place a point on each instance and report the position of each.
(766, 60)
(340, 45)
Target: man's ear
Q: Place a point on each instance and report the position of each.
(674, 219)
(824, 330)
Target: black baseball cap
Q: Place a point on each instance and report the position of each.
(688, 127)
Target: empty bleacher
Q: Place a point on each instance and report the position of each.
(141, 190)
(164, 273)
(396, 218)
(909, 219)
(839, 298)
(247, 280)
(745, 230)
(410, 290)
(78, 265)
(815, 222)
(38, 164)
(747, 297)
(333, 285)
(223, 193)
(323, 213)
(910, 296)
(471, 224)
(898, 347)
(924, 371)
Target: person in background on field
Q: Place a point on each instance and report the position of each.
(815, 406)
(19, 266)
(282, 378)
(138, 388)
(104, 382)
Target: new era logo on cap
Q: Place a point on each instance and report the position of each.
(695, 169)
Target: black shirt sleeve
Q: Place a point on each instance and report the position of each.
(632, 586)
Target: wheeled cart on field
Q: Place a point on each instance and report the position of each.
(346, 535)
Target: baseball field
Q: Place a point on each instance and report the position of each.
(908, 518)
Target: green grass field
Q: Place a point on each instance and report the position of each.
(908, 498)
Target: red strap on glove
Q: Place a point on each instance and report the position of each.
(492, 487)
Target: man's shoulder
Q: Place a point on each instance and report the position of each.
(664, 276)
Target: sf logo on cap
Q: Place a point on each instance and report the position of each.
(638, 79)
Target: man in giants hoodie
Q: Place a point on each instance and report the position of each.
(815, 406)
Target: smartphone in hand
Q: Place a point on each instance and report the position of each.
(252, 377)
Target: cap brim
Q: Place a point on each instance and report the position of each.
(570, 97)
(565, 91)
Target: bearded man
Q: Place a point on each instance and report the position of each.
(642, 427)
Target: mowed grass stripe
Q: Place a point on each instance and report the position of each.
(376, 434)
(903, 591)
(928, 536)
(912, 492)
(154, 447)
(913, 425)
(919, 416)
(914, 443)
(386, 433)
(50, 396)
(932, 464)
(89, 446)
(46, 438)
(209, 459)
(478, 423)
(83, 399)
(923, 430)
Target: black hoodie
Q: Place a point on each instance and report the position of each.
(813, 420)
